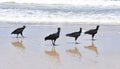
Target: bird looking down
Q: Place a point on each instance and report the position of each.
(92, 32)
(19, 31)
(53, 36)
(75, 34)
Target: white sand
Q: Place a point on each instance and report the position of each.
(32, 52)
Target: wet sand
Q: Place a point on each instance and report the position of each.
(32, 52)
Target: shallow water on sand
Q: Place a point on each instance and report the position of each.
(32, 52)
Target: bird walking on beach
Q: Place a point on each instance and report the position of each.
(75, 34)
(19, 31)
(53, 36)
(92, 32)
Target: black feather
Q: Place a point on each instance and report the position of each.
(53, 36)
(92, 31)
(75, 34)
(18, 30)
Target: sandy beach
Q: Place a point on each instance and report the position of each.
(32, 52)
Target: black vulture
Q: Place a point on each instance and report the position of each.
(53, 36)
(19, 31)
(92, 31)
(75, 34)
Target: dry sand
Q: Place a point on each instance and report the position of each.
(32, 52)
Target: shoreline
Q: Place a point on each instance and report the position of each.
(60, 23)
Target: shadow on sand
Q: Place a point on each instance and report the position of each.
(92, 47)
(75, 52)
(18, 43)
(53, 53)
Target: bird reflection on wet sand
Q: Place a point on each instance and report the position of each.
(53, 53)
(18, 43)
(92, 47)
(74, 52)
